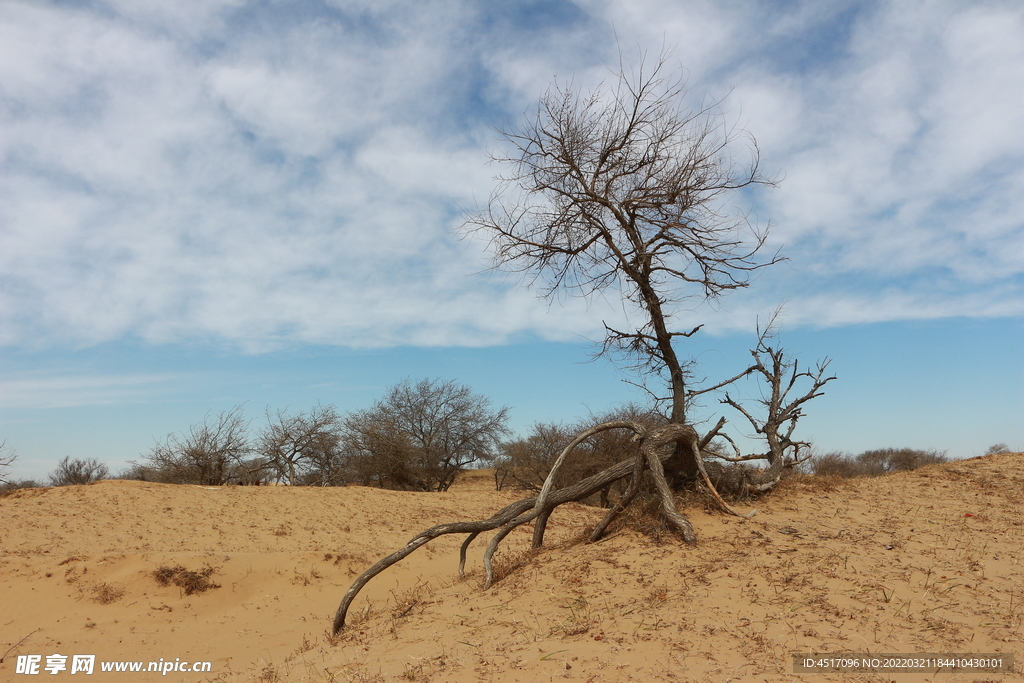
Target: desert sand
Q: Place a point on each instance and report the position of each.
(917, 562)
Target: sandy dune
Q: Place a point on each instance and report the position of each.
(926, 561)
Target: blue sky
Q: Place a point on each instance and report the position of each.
(209, 203)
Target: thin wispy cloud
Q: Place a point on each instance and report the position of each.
(74, 391)
(267, 174)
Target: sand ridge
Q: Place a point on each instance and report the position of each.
(924, 561)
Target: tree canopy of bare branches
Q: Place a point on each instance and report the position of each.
(421, 435)
(625, 188)
(302, 443)
(206, 453)
(7, 458)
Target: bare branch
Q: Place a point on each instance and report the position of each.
(7, 458)
(727, 382)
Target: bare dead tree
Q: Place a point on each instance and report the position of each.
(303, 441)
(781, 411)
(625, 189)
(622, 190)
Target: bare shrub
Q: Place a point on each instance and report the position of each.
(996, 449)
(835, 463)
(12, 486)
(906, 459)
(106, 593)
(71, 472)
(526, 462)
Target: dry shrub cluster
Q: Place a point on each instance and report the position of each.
(190, 582)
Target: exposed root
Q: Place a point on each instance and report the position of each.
(537, 509)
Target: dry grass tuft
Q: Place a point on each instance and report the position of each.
(189, 581)
(506, 562)
(106, 593)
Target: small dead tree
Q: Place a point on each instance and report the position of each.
(781, 412)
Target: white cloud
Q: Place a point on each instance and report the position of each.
(254, 175)
(909, 157)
